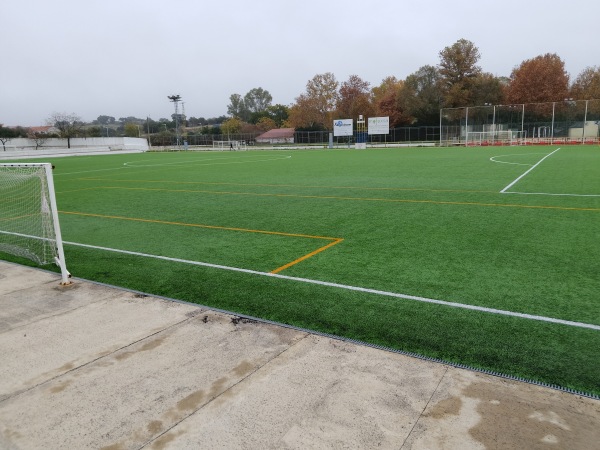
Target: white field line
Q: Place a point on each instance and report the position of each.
(529, 170)
(352, 288)
(493, 158)
(547, 193)
(135, 165)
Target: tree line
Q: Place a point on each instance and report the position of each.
(456, 81)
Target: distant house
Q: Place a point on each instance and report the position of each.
(277, 136)
(43, 130)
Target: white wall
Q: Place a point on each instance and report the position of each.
(116, 143)
(25, 148)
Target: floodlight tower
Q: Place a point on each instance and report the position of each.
(176, 99)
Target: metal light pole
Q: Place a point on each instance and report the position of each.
(176, 99)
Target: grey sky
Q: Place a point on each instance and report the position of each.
(123, 58)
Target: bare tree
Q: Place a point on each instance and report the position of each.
(39, 138)
(68, 125)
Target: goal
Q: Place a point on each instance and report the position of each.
(29, 226)
(230, 145)
(499, 137)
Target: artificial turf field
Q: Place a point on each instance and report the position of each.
(503, 229)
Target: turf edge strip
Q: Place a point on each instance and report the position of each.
(352, 288)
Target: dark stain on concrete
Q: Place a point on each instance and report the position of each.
(147, 346)
(447, 407)
(166, 439)
(60, 387)
(155, 427)
(243, 369)
(511, 418)
(192, 401)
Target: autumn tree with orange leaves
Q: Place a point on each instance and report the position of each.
(354, 98)
(537, 80)
(587, 84)
(314, 108)
(385, 101)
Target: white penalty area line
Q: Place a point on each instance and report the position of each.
(528, 170)
(351, 288)
(551, 194)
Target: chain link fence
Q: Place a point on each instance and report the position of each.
(568, 121)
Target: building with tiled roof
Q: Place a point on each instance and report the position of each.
(277, 136)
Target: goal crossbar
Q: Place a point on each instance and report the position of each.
(29, 225)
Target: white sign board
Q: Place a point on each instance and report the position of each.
(342, 127)
(379, 125)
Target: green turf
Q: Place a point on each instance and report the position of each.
(419, 221)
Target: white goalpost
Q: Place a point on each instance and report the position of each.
(29, 225)
(499, 137)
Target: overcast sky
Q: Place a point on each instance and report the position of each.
(123, 58)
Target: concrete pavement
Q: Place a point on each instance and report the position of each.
(90, 366)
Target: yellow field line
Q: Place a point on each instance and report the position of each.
(366, 188)
(278, 233)
(196, 225)
(370, 199)
(308, 255)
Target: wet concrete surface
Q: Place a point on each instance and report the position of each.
(90, 366)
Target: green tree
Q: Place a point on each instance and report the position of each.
(487, 88)
(131, 130)
(105, 120)
(257, 100)
(237, 107)
(231, 126)
(6, 134)
(252, 106)
(421, 96)
(279, 113)
(458, 69)
(94, 132)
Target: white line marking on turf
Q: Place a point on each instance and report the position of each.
(529, 170)
(493, 158)
(547, 193)
(352, 288)
(88, 171)
(203, 162)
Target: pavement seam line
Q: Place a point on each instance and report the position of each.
(150, 441)
(60, 313)
(425, 407)
(18, 393)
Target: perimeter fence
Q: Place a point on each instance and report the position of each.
(401, 135)
(568, 121)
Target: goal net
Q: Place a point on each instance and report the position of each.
(229, 145)
(499, 137)
(29, 226)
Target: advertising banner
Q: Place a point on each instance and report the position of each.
(379, 125)
(342, 127)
